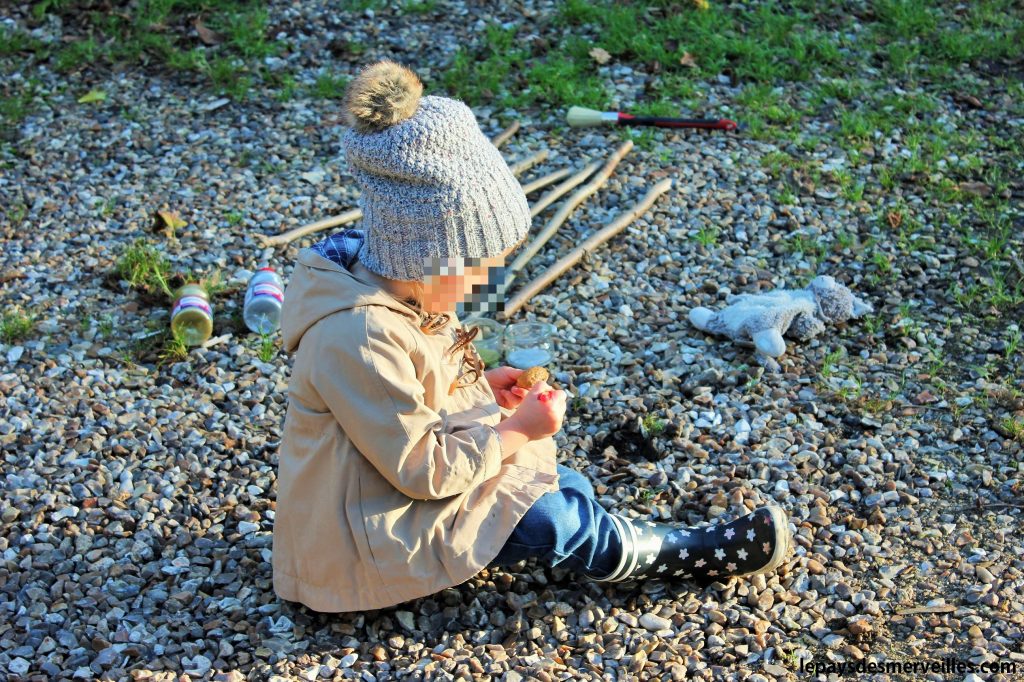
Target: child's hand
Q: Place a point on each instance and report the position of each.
(503, 384)
(541, 412)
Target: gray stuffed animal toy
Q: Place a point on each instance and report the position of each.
(762, 319)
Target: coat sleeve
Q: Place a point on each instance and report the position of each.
(367, 379)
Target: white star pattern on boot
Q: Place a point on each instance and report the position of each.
(650, 523)
(729, 533)
(683, 553)
(750, 535)
(730, 567)
(709, 529)
(650, 559)
(662, 568)
(700, 562)
(767, 547)
(679, 572)
(712, 572)
(742, 554)
(719, 553)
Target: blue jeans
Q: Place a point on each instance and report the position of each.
(566, 528)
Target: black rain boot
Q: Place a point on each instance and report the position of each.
(755, 543)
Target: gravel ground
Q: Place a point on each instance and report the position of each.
(138, 499)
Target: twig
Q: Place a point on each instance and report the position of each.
(544, 181)
(574, 256)
(529, 162)
(348, 216)
(503, 137)
(988, 507)
(552, 196)
(563, 213)
(938, 608)
(209, 343)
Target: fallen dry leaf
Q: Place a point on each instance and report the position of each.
(688, 60)
(92, 96)
(600, 55)
(895, 219)
(977, 189)
(969, 100)
(701, 4)
(168, 223)
(207, 35)
(924, 397)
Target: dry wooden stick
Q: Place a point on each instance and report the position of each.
(530, 161)
(546, 180)
(563, 188)
(567, 208)
(503, 137)
(349, 216)
(574, 256)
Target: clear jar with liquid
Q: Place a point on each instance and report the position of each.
(529, 344)
(264, 298)
(192, 315)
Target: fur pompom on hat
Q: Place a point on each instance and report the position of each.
(382, 95)
(433, 186)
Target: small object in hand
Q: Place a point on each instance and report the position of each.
(531, 376)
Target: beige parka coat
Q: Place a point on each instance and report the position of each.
(388, 487)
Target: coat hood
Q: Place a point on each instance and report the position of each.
(320, 287)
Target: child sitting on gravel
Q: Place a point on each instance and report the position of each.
(401, 472)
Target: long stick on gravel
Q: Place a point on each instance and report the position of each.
(567, 208)
(354, 214)
(552, 196)
(546, 180)
(570, 259)
(348, 216)
(503, 137)
(529, 162)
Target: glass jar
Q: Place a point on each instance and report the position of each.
(488, 340)
(529, 344)
(192, 315)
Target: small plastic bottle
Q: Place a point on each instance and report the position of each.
(192, 315)
(263, 300)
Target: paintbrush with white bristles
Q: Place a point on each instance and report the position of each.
(582, 117)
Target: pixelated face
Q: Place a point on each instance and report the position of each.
(478, 283)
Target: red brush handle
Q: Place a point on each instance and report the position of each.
(660, 122)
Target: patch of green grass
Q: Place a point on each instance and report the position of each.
(229, 77)
(162, 32)
(268, 347)
(235, 218)
(144, 267)
(329, 86)
(1013, 428)
(13, 42)
(175, 349)
(418, 6)
(1013, 339)
(809, 246)
(828, 364)
(77, 55)
(15, 325)
(16, 104)
(652, 426)
(707, 236)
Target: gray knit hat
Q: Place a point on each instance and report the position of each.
(433, 186)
